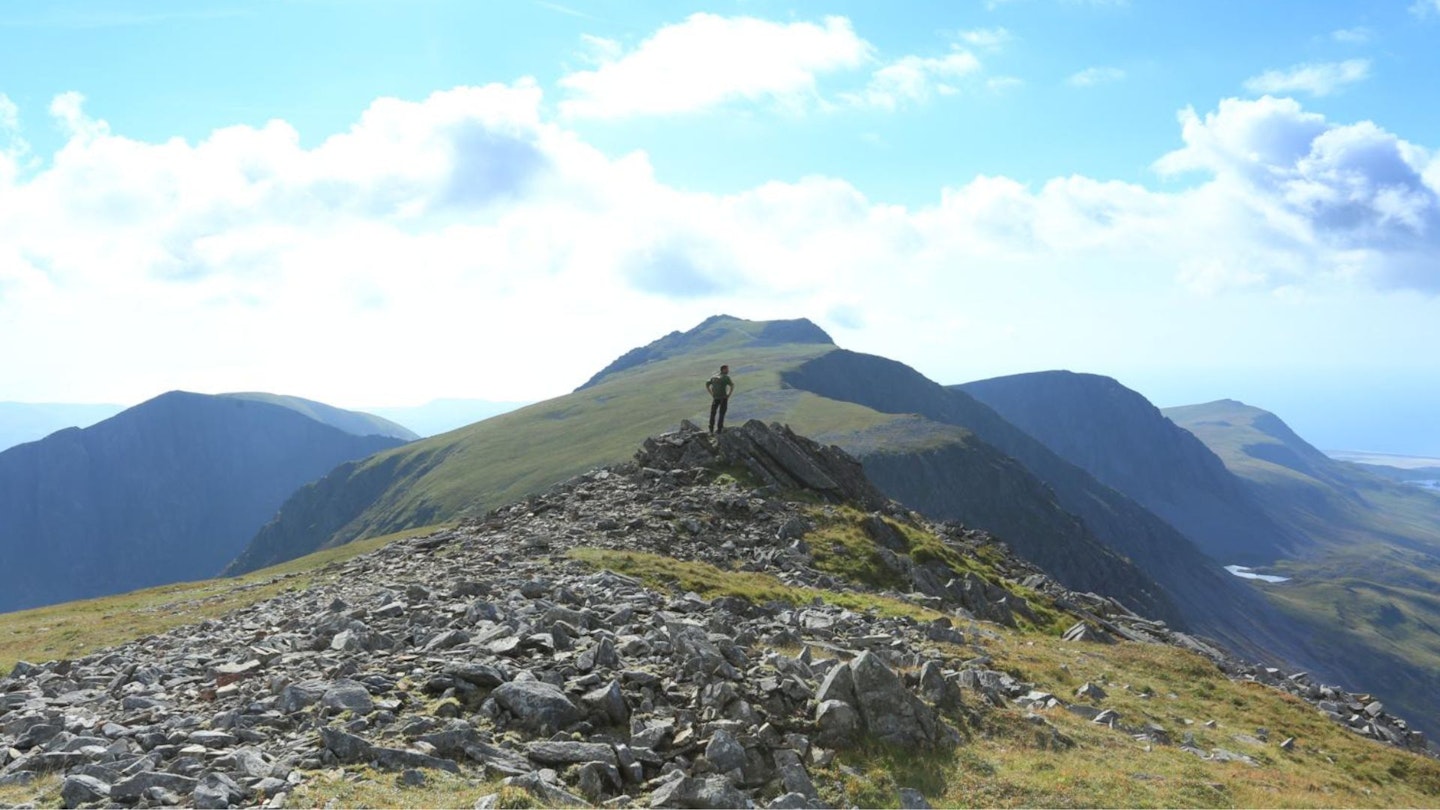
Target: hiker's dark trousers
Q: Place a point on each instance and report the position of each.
(718, 406)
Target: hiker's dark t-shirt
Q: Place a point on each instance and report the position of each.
(719, 386)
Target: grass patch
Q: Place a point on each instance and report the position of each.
(75, 629)
(872, 773)
(839, 545)
(711, 582)
(363, 786)
(1062, 760)
(43, 792)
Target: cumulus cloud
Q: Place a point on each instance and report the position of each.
(1355, 199)
(469, 222)
(12, 146)
(1316, 79)
(916, 79)
(708, 61)
(1089, 77)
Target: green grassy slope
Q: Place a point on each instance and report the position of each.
(1368, 580)
(644, 393)
(356, 422)
(502, 459)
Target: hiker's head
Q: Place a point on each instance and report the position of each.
(724, 369)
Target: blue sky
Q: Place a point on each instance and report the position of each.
(375, 203)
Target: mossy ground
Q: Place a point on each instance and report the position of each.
(358, 786)
(710, 582)
(840, 545)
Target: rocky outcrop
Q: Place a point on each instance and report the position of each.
(774, 455)
(487, 650)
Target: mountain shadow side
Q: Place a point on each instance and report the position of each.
(1365, 584)
(1211, 601)
(167, 491)
(1116, 435)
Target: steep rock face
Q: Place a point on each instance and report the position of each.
(1211, 601)
(332, 506)
(166, 491)
(1114, 434)
(1004, 497)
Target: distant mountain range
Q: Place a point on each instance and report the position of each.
(1077, 473)
(168, 490)
(444, 415)
(22, 422)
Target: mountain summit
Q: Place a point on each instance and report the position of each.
(169, 490)
(717, 333)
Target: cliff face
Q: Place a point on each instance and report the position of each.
(977, 486)
(1116, 435)
(1210, 600)
(166, 491)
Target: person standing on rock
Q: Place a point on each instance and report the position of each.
(720, 387)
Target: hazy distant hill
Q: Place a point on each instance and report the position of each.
(22, 422)
(444, 415)
(353, 422)
(166, 491)
(1116, 435)
(1368, 581)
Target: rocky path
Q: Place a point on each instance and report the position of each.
(487, 652)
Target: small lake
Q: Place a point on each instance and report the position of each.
(1246, 573)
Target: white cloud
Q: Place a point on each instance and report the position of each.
(1316, 79)
(1359, 35)
(708, 61)
(9, 115)
(467, 231)
(989, 39)
(916, 79)
(1089, 77)
(12, 147)
(1352, 201)
(1423, 8)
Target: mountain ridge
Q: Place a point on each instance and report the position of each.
(686, 630)
(1116, 435)
(164, 491)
